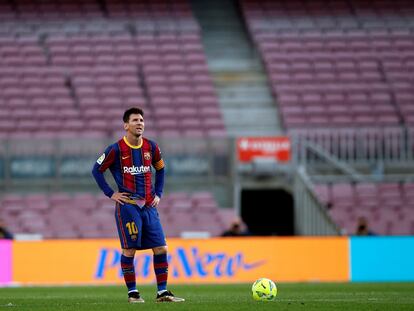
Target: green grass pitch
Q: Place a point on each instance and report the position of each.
(291, 296)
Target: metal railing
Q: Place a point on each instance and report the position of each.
(57, 161)
(357, 146)
(348, 155)
(211, 162)
(311, 217)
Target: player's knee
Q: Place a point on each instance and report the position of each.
(128, 252)
(160, 250)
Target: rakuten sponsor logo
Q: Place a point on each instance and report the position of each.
(136, 170)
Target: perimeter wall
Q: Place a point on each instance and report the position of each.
(219, 260)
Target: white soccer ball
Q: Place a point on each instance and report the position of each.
(264, 290)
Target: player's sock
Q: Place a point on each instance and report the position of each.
(161, 271)
(160, 292)
(128, 270)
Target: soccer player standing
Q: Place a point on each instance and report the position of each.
(139, 227)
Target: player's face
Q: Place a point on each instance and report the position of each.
(135, 125)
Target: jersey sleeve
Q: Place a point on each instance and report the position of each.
(100, 166)
(157, 160)
(158, 164)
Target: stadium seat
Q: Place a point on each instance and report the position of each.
(384, 205)
(70, 60)
(86, 215)
(340, 58)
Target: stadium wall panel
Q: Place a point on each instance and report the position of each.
(225, 260)
(219, 260)
(5, 262)
(377, 259)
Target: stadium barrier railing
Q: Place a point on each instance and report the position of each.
(311, 216)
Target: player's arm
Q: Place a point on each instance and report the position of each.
(99, 168)
(101, 165)
(158, 164)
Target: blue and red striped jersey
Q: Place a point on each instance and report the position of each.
(131, 168)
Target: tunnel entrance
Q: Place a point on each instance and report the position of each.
(268, 212)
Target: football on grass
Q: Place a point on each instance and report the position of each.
(264, 290)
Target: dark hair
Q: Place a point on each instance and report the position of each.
(133, 110)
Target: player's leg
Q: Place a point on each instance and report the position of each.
(153, 237)
(161, 273)
(129, 228)
(128, 271)
(160, 263)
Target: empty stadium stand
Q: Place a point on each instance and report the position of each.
(65, 76)
(387, 206)
(85, 215)
(341, 73)
(337, 63)
(68, 70)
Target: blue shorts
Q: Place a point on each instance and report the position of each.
(139, 228)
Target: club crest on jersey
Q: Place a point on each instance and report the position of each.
(101, 159)
(136, 170)
(147, 155)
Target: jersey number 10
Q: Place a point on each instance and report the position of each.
(132, 228)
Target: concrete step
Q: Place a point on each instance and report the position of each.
(224, 33)
(207, 18)
(221, 26)
(245, 102)
(212, 6)
(234, 65)
(241, 83)
(241, 127)
(250, 115)
(230, 54)
(228, 78)
(236, 99)
(239, 59)
(228, 41)
(257, 91)
(265, 131)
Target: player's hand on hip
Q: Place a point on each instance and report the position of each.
(120, 197)
(155, 202)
